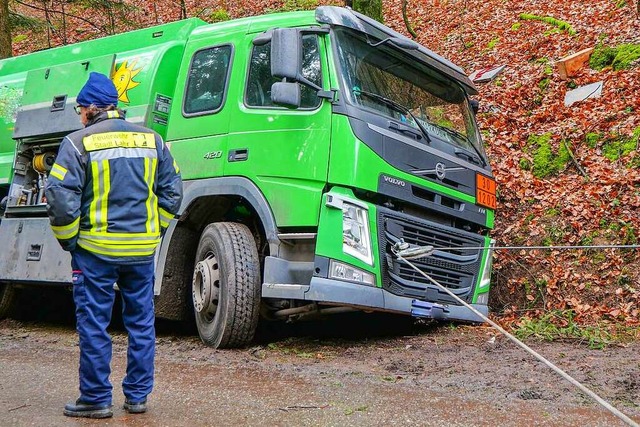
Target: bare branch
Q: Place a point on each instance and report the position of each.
(80, 18)
(406, 20)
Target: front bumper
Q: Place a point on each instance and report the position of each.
(335, 292)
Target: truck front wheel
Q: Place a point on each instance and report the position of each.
(7, 298)
(226, 285)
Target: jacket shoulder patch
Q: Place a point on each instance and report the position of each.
(105, 141)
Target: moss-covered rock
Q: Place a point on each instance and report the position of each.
(546, 161)
(619, 57)
(622, 146)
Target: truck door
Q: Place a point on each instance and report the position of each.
(285, 152)
(198, 127)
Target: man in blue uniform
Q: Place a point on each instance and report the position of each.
(110, 195)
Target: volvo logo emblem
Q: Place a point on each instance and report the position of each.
(441, 171)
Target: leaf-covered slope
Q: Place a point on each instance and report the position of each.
(566, 175)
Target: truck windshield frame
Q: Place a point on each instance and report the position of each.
(437, 101)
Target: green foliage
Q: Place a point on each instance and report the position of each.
(545, 161)
(560, 324)
(621, 146)
(19, 38)
(553, 212)
(18, 21)
(293, 5)
(630, 235)
(561, 25)
(516, 26)
(615, 149)
(525, 164)
(219, 15)
(493, 43)
(351, 411)
(627, 53)
(619, 57)
(544, 84)
(601, 57)
(554, 236)
(592, 139)
(371, 8)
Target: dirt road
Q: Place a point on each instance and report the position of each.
(332, 373)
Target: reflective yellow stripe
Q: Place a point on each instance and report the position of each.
(93, 206)
(175, 166)
(124, 242)
(117, 251)
(124, 247)
(103, 141)
(58, 171)
(165, 217)
(123, 235)
(152, 200)
(112, 114)
(63, 232)
(104, 202)
(98, 208)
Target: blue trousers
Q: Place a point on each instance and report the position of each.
(94, 296)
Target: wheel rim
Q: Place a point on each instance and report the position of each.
(206, 287)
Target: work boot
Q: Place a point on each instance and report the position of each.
(135, 407)
(87, 410)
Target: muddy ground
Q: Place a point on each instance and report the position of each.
(351, 370)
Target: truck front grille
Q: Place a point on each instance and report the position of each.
(456, 269)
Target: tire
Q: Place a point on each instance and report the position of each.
(7, 300)
(226, 285)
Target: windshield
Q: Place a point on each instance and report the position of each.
(378, 77)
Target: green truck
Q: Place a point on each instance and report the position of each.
(311, 144)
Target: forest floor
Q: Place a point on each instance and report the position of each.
(356, 369)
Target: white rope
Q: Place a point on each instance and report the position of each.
(418, 252)
(518, 248)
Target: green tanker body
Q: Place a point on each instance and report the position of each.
(310, 144)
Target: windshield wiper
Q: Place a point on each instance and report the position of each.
(475, 158)
(398, 107)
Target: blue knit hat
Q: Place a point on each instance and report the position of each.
(99, 91)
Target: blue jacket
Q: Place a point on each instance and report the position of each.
(113, 190)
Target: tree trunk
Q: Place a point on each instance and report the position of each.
(5, 31)
(405, 18)
(183, 9)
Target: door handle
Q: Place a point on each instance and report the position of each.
(239, 155)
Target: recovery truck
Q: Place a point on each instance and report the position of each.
(310, 145)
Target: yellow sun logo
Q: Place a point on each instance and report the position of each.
(123, 79)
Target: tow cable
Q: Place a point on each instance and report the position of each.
(404, 252)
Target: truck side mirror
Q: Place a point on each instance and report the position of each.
(286, 94)
(286, 53)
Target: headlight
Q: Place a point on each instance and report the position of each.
(355, 232)
(342, 271)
